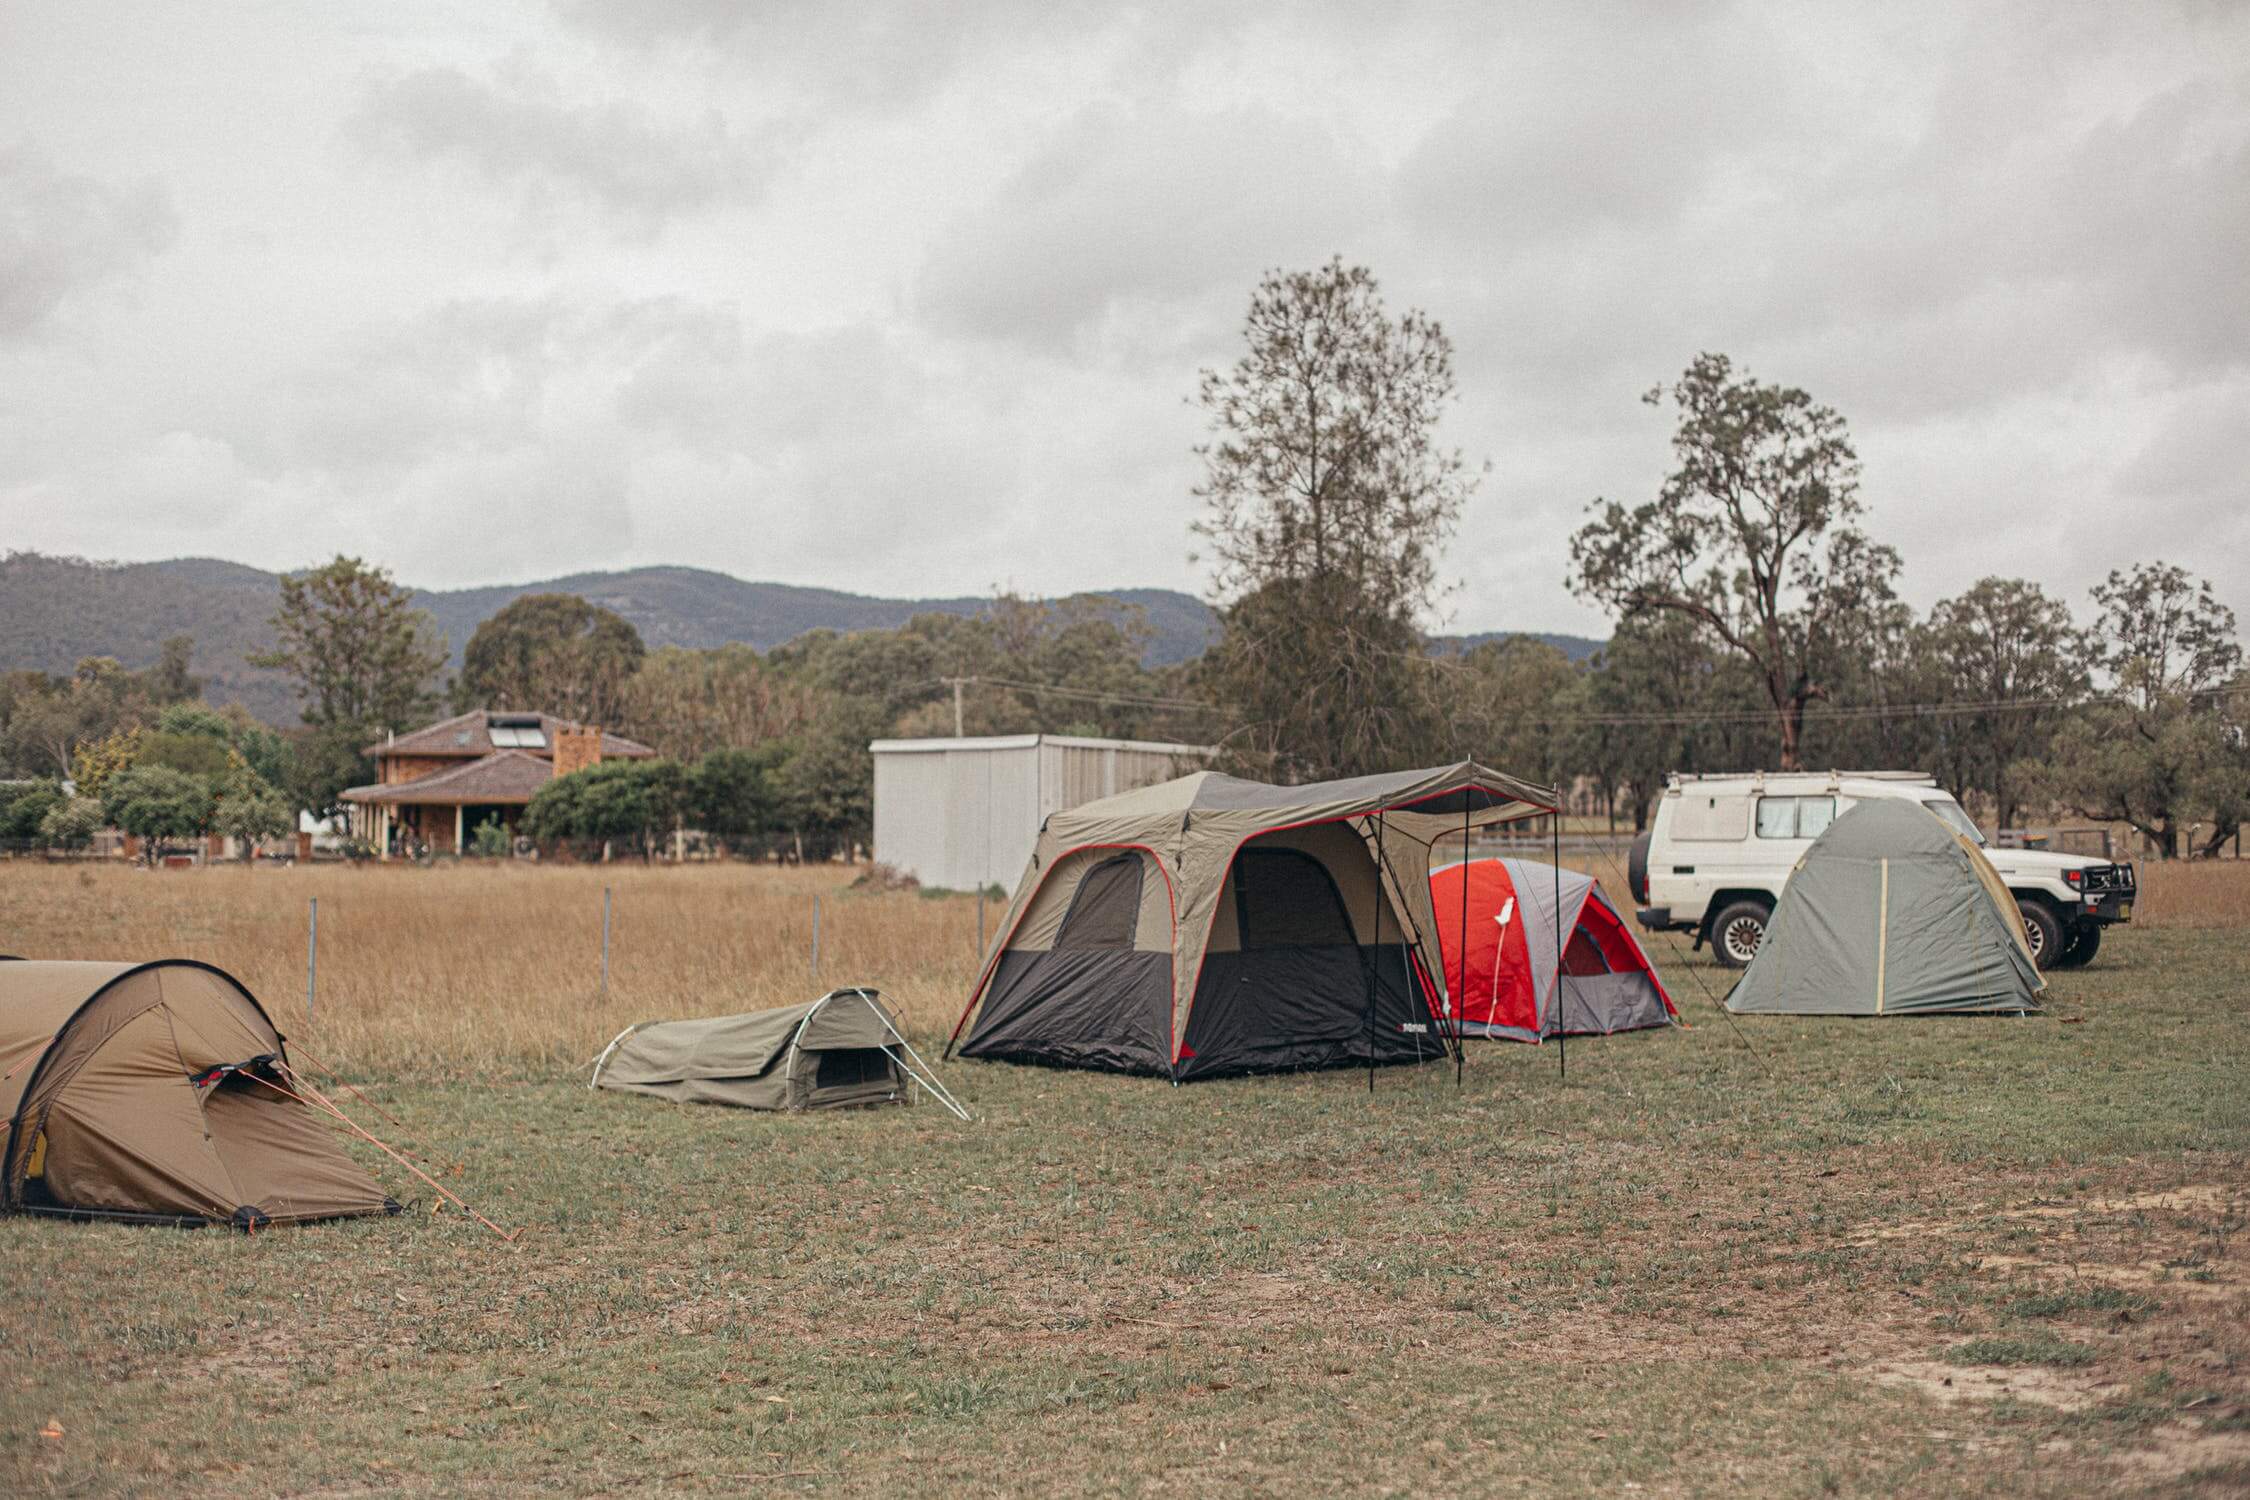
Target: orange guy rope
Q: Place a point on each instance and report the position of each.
(325, 1103)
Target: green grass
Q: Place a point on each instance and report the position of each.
(1678, 1271)
(2041, 1348)
(2095, 1299)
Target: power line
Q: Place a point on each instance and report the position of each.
(1818, 708)
(1091, 694)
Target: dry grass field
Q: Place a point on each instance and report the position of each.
(1786, 1257)
(497, 970)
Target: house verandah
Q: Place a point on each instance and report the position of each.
(435, 786)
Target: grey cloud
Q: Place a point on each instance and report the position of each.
(522, 134)
(476, 374)
(63, 234)
(1165, 214)
(950, 343)
(873, 59)
(1580, 127)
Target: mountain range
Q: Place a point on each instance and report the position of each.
(56, 610)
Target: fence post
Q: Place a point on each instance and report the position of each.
(816, 937)
(605, 942)
(312, 956)
(980, 921)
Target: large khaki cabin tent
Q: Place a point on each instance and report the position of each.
(159, 1092)
(842, 1051)
(1891, 913)
(1212, 925)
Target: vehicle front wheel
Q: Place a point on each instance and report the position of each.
(2044, 928)
(1737, 931)
(2080, 945)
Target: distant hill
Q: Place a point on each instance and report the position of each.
(1576, 647)
(696, 607)
(55, 610)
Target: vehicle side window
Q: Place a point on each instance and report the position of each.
(1701, 816)
(1794, 817)
(1814, 814)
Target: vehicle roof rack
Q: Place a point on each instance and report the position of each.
(1682, 778)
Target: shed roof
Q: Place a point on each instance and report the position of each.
(1030, 741)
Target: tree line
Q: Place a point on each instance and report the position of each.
(1757, 623)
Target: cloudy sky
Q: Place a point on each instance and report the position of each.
(909, 300)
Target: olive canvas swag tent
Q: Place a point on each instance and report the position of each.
(159, 1092)
(842, 1051)
(1891, 913)
(1213, 925)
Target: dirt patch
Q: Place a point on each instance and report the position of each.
(2203, 1282)
(2179, 1448)
(2229, 1201)
(267, 1355)
(1950, 1383)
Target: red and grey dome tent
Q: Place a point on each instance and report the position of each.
(1517, 986)
(1212, 925)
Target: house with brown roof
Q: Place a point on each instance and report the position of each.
(437, 784)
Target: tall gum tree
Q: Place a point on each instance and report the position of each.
(2165, 752)
(1328, 498)
(2008, 646)
(1754, 536)
(364, 659)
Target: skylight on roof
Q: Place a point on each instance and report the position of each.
(516, 731)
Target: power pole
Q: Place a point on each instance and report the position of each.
(957, 684)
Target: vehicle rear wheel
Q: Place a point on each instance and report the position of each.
(1737, 931)
(2080, 945)
(2044, 928)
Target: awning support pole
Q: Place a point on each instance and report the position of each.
(1457, 1007)
(1375, 965)
(1562, 1031)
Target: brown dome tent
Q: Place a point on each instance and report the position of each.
(1212, 925)
(149, 1092)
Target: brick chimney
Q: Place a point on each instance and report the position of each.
(577, 746)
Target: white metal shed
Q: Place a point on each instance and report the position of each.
(958, 814)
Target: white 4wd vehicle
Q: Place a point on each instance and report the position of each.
(1720, 848)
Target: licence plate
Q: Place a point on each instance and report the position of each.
(2124, 911)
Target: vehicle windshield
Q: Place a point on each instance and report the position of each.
(1950, 813)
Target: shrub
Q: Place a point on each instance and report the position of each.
(157, 803)
(24, 807)
(71, 823)
(490, 839)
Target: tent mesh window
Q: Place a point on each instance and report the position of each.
(1105, 908)
(1583, 955)
(848, 1067)
(1285, 898)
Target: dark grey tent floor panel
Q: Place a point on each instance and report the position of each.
(1272, 1010)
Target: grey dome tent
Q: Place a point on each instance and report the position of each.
(159, 1092)
(841, 1051)
(1891, 913)
(1213, 925)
